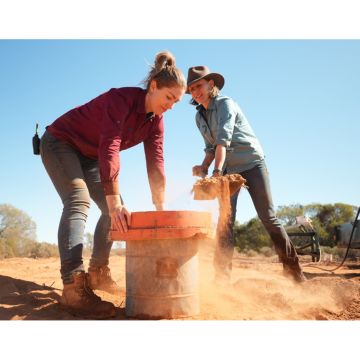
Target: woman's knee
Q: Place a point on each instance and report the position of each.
(271, 223)
(78, 197)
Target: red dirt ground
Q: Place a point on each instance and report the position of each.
(30, 290)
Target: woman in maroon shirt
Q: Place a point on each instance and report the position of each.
(80, 151)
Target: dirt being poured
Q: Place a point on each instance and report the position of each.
(221, 187)
(210, 188)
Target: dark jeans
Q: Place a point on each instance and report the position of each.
(77, 180)
(257, 180)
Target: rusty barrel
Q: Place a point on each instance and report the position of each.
(162, 262)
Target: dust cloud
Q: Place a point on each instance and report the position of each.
(259, 291)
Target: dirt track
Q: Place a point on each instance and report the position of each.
(30, 290)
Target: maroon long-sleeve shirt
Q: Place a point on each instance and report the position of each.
(110, 123)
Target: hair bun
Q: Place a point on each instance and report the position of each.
(164, 72)
(163, 59)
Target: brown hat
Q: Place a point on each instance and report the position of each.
(196, 73)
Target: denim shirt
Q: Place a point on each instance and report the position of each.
(226, 125)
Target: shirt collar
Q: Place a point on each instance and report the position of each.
(199, 107)
(210, 107)
(211, 103)
(141, 106)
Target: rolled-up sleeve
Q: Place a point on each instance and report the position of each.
(226, 121)
(209, 147)
(154, 154)
(115, 111)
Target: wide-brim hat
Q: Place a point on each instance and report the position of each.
(196, 73)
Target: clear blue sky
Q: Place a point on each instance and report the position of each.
(300, 96)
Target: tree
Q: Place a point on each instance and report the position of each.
(43, 250)
(17, 231)
(251, 235)
(287, 214)
(324, 218)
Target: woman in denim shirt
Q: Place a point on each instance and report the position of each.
(232, 144)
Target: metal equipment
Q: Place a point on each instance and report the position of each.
(342, 235)
(304, 238)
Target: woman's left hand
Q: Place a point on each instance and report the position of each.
(120, 219)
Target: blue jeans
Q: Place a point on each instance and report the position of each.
(77, 180)
(257, 180)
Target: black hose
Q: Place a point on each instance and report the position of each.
(347, 249)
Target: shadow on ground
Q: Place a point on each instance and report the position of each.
(26, 300)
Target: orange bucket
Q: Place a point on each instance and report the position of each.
(157, 225)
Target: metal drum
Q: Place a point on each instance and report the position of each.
(162, 262)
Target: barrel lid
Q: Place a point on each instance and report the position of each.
(156, 225)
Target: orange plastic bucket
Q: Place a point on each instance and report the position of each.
(162, 263)
(156, 225)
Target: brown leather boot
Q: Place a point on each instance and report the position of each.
(78, 299)
(100, 279)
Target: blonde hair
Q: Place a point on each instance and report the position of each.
(164, 72)
(213, 92)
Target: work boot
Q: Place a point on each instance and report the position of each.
(100, 279)
(293, 270)
(78, 299)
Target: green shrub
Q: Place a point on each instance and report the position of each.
(267, 251)
(251, 253)
(43, 250)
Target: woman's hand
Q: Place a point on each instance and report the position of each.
(199, 170)
(120, 216)
(217, 173)
(120, 219)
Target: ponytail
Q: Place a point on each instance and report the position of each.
(165, 72)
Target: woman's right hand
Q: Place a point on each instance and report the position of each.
(120, 219)
(120, 216)
(199, 170)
